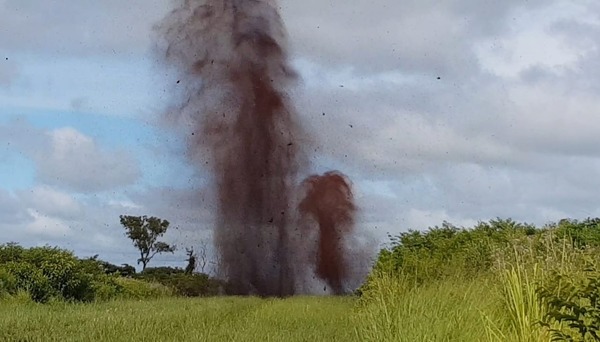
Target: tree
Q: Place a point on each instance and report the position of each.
(191, 266)
(144, 232)
(202, 257)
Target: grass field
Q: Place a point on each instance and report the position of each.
(453, 310)
(212, 319)
(522, 294)
(461, 310)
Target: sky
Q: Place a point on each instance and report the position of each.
(458, 111)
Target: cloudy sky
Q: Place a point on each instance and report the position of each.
(456, 110)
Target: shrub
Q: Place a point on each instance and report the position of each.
(46, 272)
(107, 288)
(584, 233)
(10, 252)
(96, 266)
(31, 279)
(138, 289)
(160, 272)
(8, 283)
(449, 251)
(187, 285)
(573, 306)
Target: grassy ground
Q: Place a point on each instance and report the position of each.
(447, 311)
(500, 307)
(214, 319)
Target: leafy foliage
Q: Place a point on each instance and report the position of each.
(585, 233)
(144, 232)
(46, 272)
(124, 270)
(183, 283)
(448, 251)
(545, 278)
(573, 303)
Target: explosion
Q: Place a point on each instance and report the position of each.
(273, 232)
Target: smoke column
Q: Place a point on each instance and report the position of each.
(234, 70)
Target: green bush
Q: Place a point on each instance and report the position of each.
(31, 279)
(573, 306)
(449, 251)
(129, 288)
(8, 283)
(47, 272)
(52, 273)
(10, 252)
(161, 272)
(582, 234)
(187, 285)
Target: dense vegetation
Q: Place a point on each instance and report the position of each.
(48, 274)
(498, 281)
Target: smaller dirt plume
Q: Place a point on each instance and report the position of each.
(329, 202)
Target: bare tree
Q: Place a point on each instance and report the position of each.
(202, 257)
(192, 259)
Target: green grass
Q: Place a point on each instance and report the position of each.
(449, 310)
(393, 310)
(500, 305)
(211, 319)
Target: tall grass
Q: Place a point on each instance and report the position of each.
(502, 304)
(524, 268)
(450, 310)
(523, 306)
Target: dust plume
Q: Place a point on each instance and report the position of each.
(234, 71)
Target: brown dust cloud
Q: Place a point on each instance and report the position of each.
(275, 233)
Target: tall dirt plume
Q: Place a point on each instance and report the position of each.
(231, 55)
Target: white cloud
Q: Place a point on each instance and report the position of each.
(76, 161)
(108, 27)
(430, 218)
(51, 202)
(43, 225)
(67, 158)
(413, 36)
